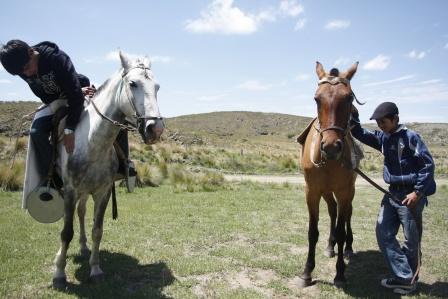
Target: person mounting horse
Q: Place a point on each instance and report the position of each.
(328, 159)
(52, 77)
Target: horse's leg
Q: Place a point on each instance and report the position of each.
(312, 201)
(60, 261)
(84, 249)
(344, 205)
(348, 252)
(101, 199)
(332, 211)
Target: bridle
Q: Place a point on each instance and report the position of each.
(333, 80)
(141, 120)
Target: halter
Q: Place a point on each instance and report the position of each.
(333, 81)
(139, 118)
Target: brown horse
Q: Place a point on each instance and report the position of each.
(327, 162)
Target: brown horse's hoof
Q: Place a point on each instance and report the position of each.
(340, 283)
(97, 278)
(349, 254)
(305, 282)
(329, 253)
(59, 283)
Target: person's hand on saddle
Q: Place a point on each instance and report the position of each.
(411, 200)
(69, 142)
(88, 91)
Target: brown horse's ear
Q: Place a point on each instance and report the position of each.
(320, 70)
(351, 71)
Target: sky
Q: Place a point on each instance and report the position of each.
(247, 55)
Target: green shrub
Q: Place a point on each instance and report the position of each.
(12, 179)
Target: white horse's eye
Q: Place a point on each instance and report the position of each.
(132, 84)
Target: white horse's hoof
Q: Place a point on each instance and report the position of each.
(97, 278)
(59, 283)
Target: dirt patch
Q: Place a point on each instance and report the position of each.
(308, 292)
(249, 278)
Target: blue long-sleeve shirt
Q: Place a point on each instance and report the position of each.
(407, 161)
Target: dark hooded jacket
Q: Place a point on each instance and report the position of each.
(407, 161)
(58, 79)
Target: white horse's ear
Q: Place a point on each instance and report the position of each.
(351, 71)
(125, 63)
(320, 70)
(147, 62)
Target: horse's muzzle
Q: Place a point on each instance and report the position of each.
(151, 130)
(331, 151)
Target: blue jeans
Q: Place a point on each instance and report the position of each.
(40, 137)
(402, 260)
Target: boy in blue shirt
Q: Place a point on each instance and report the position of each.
(409, 171)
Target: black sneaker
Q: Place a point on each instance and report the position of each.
(393, 283)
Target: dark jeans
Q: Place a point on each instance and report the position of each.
(40, 137)
(402, 260)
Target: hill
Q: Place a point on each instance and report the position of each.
(218, 128)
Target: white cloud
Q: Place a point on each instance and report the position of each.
(432, 81)
(446, 46)
(290, 8)
(302, 77)
(378, 63)
(337, 24)
(402, 78)
(222, 17)
(5, 81)
(300, 24)
(254, 85)
(416, 55)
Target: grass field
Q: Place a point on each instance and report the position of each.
(243, 241)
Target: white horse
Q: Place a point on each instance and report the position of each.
(129, 95)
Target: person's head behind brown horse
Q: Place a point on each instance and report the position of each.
(334, 99)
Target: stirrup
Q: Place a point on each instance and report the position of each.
(130, 174)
